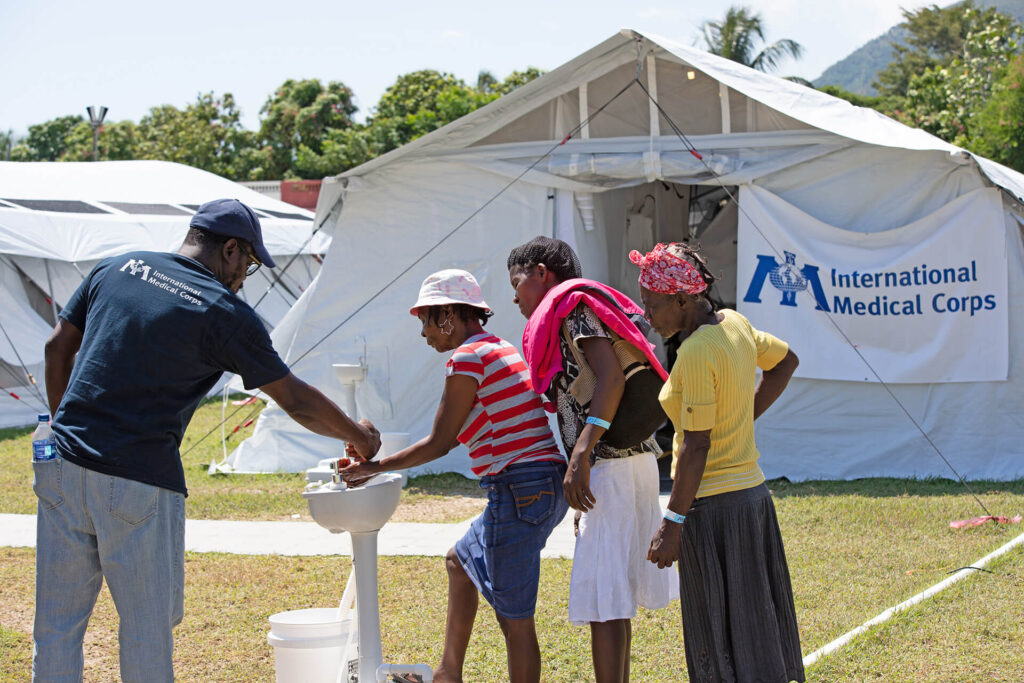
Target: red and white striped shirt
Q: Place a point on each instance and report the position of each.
(507, 423)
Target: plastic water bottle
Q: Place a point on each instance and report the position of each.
(43, 444)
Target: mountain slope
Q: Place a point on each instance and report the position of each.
(857, 71)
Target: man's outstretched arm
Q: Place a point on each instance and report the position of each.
(310, 408)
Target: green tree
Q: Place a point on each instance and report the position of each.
(999, 126)
(116, 141)
(876, 102)
(415, 104)
(46, 141)
(7, 141)
(487, 83)
(517, 79)
(935, 35)
(945, 99)
(299, 114)
(206, 134)
(738, 36)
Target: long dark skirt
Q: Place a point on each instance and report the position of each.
(739, 623)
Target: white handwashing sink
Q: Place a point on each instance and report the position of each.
(348, 373)
(358, 509)
(390, 443)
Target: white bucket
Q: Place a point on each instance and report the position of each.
(391, 443)
(308, 644)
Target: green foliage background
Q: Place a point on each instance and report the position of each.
(306, 128)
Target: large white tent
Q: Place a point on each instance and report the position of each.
(798, 160)
(58, 219)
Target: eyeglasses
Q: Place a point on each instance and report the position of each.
(256, 263)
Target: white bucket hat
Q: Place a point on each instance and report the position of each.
(450, 286)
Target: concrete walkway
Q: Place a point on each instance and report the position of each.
(306, 538)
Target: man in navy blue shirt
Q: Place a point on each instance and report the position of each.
(153, 332)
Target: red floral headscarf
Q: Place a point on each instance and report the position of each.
(663, 272)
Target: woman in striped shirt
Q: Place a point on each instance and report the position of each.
(489, 405)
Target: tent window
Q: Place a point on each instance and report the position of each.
(740, 115)
(629, 115)
(537, 124)
(266, 212)
(58, 205)
(285, 214)
(693, 103)
(148, 209)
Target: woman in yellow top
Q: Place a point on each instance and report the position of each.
(739, 621)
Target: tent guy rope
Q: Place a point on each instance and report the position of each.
(28, 375)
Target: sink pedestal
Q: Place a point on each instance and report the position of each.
(364, 557)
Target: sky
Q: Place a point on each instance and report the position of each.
(59, 56)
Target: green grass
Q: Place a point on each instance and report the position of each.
(15, 654)
(855, 548)
(860, 553)
(972, 632)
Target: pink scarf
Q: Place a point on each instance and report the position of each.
(663, 272)
(541, 349)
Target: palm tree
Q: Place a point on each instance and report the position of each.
(738, 35)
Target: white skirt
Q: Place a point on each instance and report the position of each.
(611, 575)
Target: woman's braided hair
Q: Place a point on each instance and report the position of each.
(463, 312)
(693, 256)
(556, 255)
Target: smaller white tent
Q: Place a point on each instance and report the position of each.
(58, 219)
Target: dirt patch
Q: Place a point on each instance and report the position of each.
(439, 509)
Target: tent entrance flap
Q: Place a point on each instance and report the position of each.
(640, 216)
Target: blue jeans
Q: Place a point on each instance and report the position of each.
(501, 550)
(91, 527)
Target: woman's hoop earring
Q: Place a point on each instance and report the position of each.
(447, 326)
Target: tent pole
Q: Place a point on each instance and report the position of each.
(723, 97)
(584, 113)
(49, 286)
(652, 85)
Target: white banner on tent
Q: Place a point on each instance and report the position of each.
(923, 303)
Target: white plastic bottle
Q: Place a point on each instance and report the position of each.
(43, 445)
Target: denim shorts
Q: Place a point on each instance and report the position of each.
(501, 550)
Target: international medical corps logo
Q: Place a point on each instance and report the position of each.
(786, 278)
(135, 267)
(138, 268)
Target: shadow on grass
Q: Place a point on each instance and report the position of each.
(887, 487)
(9, 433)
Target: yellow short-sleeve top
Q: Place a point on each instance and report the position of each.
(711, 386)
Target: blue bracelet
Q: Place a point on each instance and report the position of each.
(674, 517)
(591, 420)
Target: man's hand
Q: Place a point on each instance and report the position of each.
(359, 469)
(577, 484)
(666, 544)
(371, 440)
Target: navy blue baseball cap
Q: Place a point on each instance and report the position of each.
(232, 218)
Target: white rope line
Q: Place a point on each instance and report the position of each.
(970, 570)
